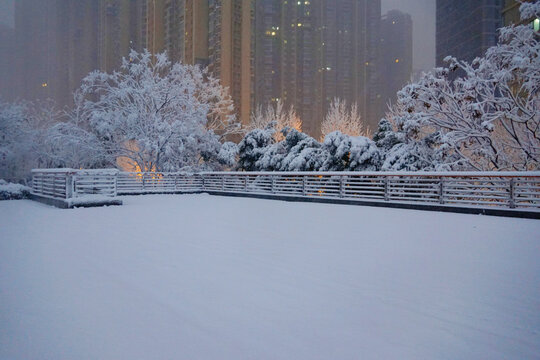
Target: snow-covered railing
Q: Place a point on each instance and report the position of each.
(499, 189)
(52, 183)
(65, 184)
(155, 182)
(514, 190)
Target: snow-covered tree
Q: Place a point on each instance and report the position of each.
(487, 119)
(221, 117)
(152, 113)
(346, 120)
(275, 116)
(68, 145)
(16, 140)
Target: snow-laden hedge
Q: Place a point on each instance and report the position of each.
(10, 191)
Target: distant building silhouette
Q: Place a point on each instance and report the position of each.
(347, 56)
(7, 63)
(304, 53)
(267, 51)
(396, 54)
(465, 29)
(229, 50)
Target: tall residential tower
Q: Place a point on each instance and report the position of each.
(466, 29)
(396, 54)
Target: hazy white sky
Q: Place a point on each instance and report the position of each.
(423, 16)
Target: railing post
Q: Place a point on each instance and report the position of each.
(115, 189)
(304, 181)
(69, 185)
(441, 190)
(512, 199)
(176, 182)
(203, 185)
(222, 182)
(245, 183)
(144, 181)
(386, 189)
(341, 186)
(273, 184)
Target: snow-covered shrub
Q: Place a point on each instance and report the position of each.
(297, 152)
(350, 153)
(385, 137)
(228, 154)
(306, 155)
(10, 191)
(253, 146)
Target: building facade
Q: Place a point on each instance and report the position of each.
(396, 54)
(348, 56)
(329, 49)
(266, 49)
(230, 24)
(7, 63)
(466, 29)
(186, 31)
(119, 30)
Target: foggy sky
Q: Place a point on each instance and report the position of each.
(6, 12)
(423, 17)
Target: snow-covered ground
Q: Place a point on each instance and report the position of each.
(208, 277)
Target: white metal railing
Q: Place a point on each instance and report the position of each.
(469, 189)
(71, 183)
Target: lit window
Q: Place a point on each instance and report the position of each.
(397, 60)
(536, 24)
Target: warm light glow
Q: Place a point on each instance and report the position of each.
(44, 85)
(397, 60)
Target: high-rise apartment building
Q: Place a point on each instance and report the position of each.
(119, 30)
(511, 15)
(297, 66)
(396, 54)
(186, 31)
(347, 56)
(466, 29)
(266, 49)
(229, 50)
(60, 41)
(7, 63)
(37, 36)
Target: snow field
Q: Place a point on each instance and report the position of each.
(209, 277)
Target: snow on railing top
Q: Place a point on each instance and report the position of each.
(384, 173)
